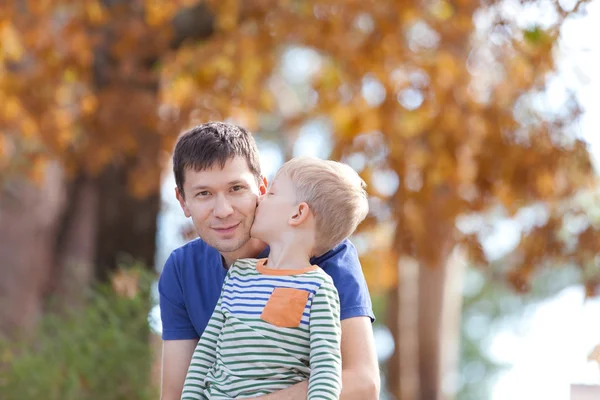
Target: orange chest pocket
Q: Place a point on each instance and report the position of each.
(285, 307)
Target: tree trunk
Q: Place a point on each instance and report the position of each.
(126, 225)
(424, 317)
(403, 319)
(28, 216)
(102, 224)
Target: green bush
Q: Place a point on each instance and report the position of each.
(99, 352)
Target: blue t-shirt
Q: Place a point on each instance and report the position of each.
(191, 281)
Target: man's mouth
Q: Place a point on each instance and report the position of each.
(226, 228)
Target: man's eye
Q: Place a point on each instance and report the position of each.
(237, 188)
(203, 193)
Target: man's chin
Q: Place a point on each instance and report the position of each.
(228, 246)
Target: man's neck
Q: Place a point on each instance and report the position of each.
(251, 249)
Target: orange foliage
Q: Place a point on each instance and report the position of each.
(454, 126)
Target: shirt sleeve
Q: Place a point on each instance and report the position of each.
(204, 356)
(343, 265)
(176, 323)
(325, 381)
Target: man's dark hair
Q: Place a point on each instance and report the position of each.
(203, 146)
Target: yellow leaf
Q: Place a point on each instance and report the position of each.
(266, 100)
(442, 10)
(95, 12)
(411, 124)
(521, 71)
(11, 108)
(447, 69)
(89, 104)
(70, 76)
(11, 47)
(545, 184)
(225, 66)
(409, 15)
(227, 16)
(342, 117)
(159, 12)
(28, 128)
(63, 119)
(370, 120)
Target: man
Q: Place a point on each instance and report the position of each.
(218, 178)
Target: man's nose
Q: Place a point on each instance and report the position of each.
(222, 208)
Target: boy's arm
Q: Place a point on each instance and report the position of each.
(204, 356)
(325, 381)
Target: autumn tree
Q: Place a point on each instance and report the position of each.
(413, 90)
(79, 88)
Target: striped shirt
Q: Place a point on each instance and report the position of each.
(270, 330)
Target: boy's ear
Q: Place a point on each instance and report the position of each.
(300, 214)
(263, 185)
(182, 202)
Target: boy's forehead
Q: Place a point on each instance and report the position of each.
(281, 179)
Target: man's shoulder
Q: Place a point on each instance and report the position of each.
(194, 251)
(323, 278)
(196, 248)
(342, 259)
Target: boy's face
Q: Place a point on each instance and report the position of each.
(275, 209)
(222, 203)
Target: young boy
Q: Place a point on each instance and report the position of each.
(277, 320)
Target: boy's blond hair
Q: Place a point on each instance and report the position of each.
(334, 192)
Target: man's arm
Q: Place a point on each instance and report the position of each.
(179, 335)
(176, 358)
(360, 369)
(204, 356)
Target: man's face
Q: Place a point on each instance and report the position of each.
(222, 203)
(275, 209)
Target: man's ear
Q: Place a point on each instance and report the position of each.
(300, 215)
(182, 202)
(263, 185)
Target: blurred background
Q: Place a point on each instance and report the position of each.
(474, 124)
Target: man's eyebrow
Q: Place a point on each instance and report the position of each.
(230, 183)
(200, 187)
(236, 182)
